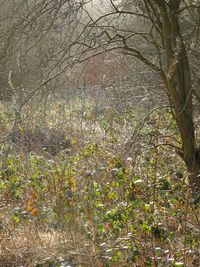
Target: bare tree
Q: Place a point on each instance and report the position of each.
(154, 32)
(157, 38)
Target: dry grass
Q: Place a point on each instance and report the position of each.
(95, 203)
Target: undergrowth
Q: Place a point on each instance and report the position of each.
(109, 190)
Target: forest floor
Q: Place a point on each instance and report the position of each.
(109, 190)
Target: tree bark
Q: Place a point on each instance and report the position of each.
(178, 82)
(181, 98)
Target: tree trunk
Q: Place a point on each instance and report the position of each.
(181, 97)
(178, 82)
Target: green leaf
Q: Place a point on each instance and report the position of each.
(16, 218)
(179, 264)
